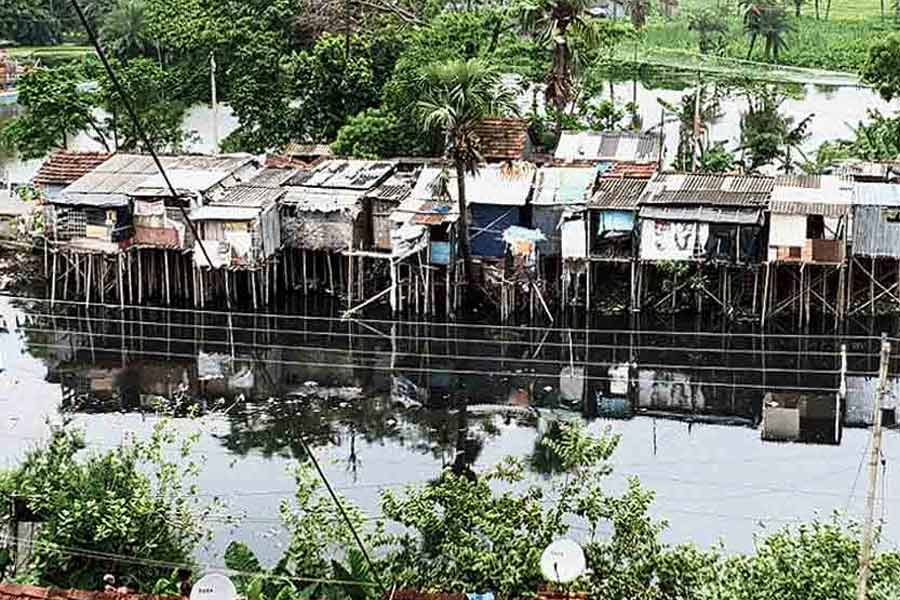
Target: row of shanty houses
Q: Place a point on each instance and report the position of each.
(564, 229)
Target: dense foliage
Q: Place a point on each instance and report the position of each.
(134, 501)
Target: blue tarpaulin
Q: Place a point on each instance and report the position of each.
(489, 221)
(615, 220)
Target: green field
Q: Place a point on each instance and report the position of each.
(61, 51)
(837, 44)
(840, 9)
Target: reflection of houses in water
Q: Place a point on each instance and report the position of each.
(860, 397)
(793, 417)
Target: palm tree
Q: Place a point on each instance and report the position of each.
(559, 23)
(772, 24)
(124, 29)
(456, 96)
(712, 26)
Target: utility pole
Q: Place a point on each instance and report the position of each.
(215, 103)
(865, 551)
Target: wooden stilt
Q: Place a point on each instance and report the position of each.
(140, 277)
(87, 283)
(227, 275)
(305, 284)
(167, 283)
(361, 279)
(872, 288)
(253, 288)
(53, 280)
(350, 282)
(448, 309)
(101, 276)
(65, 293)
(120, 266)
(765, 299)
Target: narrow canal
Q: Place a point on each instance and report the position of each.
(382, 402)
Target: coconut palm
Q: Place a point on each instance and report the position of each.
(559, 23)
(770, 23)
(455, 97)
(124, 29)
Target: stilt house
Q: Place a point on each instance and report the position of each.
(875, 248)
(709, 218)
(242, 229)
(497, 196)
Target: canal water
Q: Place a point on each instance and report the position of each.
(381, 402)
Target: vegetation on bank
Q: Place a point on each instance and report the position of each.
(461, 532)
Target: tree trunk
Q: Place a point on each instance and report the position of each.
(464, 247)
(817, 10)
(797, 4)
(752, 46)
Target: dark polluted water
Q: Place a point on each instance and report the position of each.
(382, 403)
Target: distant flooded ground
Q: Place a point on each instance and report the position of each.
(382, 402)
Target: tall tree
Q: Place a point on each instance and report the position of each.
(560, 24)
(770, 23)
(455, 97)
(124, 30)
(711, 25)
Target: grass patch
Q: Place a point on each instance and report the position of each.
(838, 44)
(840, 9)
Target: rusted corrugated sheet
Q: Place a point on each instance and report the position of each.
(703, 214)
(502, 139)
(618, 193)
(708, 190)
(825, 209)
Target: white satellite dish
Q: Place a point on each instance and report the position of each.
(562, 561)
(213, 587)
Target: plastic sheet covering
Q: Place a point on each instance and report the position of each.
(149, 209)
(219, 254)
(242, 380)
(618, 379)
(241, 242)
(571, 384)
(672, 240)
(615, 220)
(213, 366)
(574, 242)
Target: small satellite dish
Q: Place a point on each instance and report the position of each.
(213, 587)
(562, 561)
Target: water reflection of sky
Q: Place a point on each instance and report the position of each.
(712, 481)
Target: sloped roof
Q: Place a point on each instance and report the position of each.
(64, 167)
(828, 195)
(876, 194)
(577, 146)
(631, 169)
(337, 174)
(502, 139)
(217, 212)
(395, 188)
(709, 190)
(563, 185)
(704, 214)
(126, 173)
(12, 591)
(621, 193)
(322, 201)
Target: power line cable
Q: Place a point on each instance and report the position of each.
(459, 325)
(139, 127)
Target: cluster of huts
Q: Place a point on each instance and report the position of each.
(596, 224)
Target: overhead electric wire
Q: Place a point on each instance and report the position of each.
(136, 122)
(474, 372)
(436, 355)
(461, 340)
(452, 324)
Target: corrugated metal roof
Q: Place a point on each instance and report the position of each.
(271, 177)
(250, 196)
(359, 175)
(876, 194)
(563, 185)
(873, 234)
(703, 214)
(825, 209)
(323, 201)
(308, 150)
(395, 188)
(607, 145)
(213, 212)
(125, 173)
(708, 190)
(618, 193)
(183, 180)
(827, 195)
